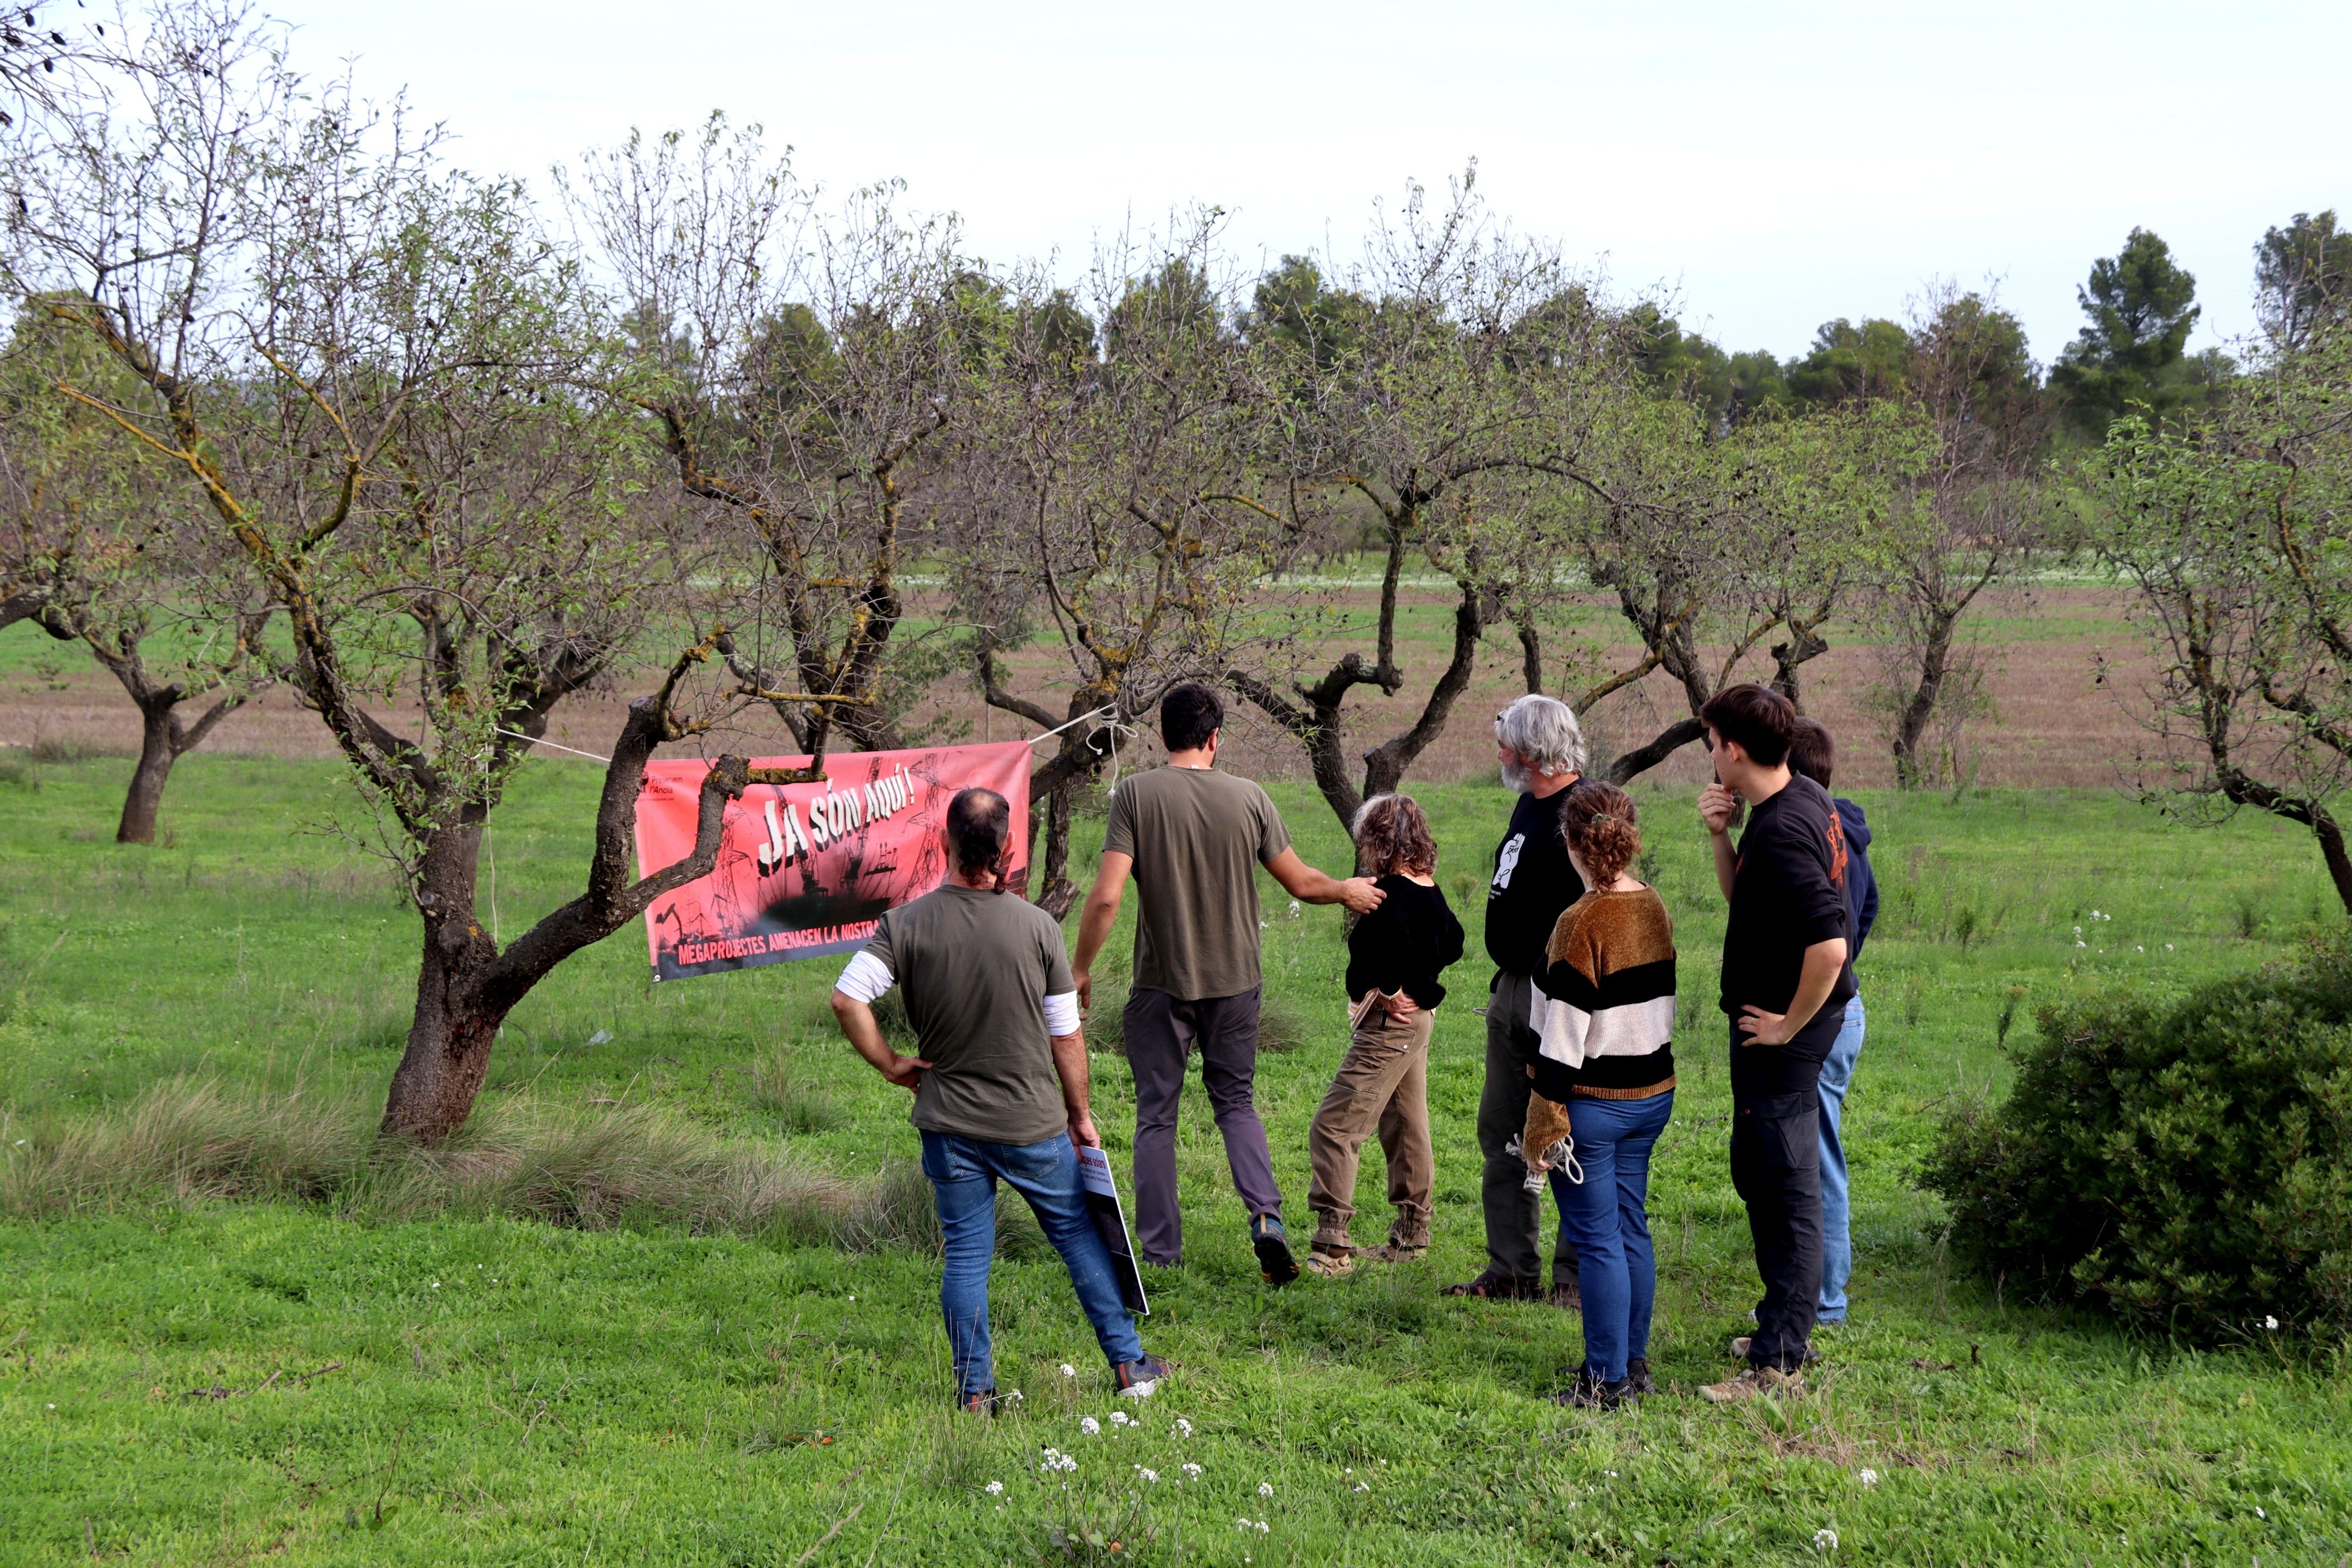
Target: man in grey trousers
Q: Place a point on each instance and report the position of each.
(1542, 751)
(1193, 838)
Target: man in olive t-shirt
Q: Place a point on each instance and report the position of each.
(999, 1088)
(1193, 838)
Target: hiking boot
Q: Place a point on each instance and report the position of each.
(1588, 1393)
(1330, 1265)
(1272, 1243)
(1739, 1350)
(1565, 1294)
(1755, 1383)
(1140, 1378)
(1637, 1373)
(984, 1403)
(1392, 1253)
(1492, 1286)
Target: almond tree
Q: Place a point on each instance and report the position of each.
(1111, 497)
(96, 549)
(2235, 535)
(1971, 520)
(361, 364)
(799, 371)
(1468, 367)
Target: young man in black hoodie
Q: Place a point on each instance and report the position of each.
(1814, 754)
(1787, 977)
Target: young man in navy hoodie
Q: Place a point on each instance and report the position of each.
(1812, 754)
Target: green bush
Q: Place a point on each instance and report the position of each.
(2185, 1164)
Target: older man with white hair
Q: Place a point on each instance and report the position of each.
(1542, 752)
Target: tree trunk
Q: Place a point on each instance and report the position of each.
(1057, 892)
(2331, 848)
(159, 748)
(1530, 657)
(1663, 744)
(466, 987)
(449, 1036)
(1911, 723)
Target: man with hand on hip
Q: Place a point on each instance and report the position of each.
(996, 1017)
(1786, 975)
(1193, 838)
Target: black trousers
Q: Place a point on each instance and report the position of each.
(1776, 1164)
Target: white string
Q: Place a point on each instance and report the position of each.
(1106, 708)
(591, 756)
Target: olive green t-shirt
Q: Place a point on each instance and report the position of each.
(1198, 838)
(975, 967)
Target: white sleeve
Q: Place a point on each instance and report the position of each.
(864, 978)
(1062, 1012)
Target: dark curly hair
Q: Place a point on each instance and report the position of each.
(1598, 821)
(1392, 835)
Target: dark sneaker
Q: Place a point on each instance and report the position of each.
(1565, 1294)
(1588, 1393)
(1139, 1378)
(1272, 1243)
(1637, 1373)
(1492, 1286)
(984, 1403)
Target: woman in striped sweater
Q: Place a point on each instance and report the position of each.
(1604, 1086)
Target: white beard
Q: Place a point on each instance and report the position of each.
(1516, 779)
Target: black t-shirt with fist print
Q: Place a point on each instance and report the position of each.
(1533, 882)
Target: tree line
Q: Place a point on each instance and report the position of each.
(291, 399)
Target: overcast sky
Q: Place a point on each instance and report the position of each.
(1772, 165)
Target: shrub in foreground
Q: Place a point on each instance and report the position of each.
(2185, 1164)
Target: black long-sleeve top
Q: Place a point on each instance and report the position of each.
(1404, 944)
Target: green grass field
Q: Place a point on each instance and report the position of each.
(510, 1392)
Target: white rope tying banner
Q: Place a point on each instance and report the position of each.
(591, 756)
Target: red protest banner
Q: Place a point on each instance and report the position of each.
(806, 870)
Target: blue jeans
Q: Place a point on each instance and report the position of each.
(1837, 1239)
(964, 1173)
(1606, 1215)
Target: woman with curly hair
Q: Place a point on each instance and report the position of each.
(1604, 1086)
(1395, 956)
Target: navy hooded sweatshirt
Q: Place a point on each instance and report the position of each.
(1860, 885)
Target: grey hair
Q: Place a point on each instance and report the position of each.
(1544, 733)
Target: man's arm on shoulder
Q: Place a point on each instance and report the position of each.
(1096, 918)
(1309, 886)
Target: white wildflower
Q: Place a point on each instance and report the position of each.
(1090, 1425)
(1069, 1371)
(1294, 909)
(1240, 1525)
(1868, 1478)
(1192, 1470)
(1265, 1489)
(2270, 1322)
(1183, 1427)
(1016, 1393)
(436, 1285)
(996, 1488)
(1362, 1487)
(1261, 1527)
(2167, 947)
(1825, 1541)
(2260, 1514)
(1119, 1418)
(1147, 1475)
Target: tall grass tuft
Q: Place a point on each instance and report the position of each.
(782, 1086)
(191, 1141)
